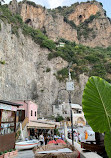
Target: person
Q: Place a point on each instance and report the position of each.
(26, 139)
(41, 139)
(62, 136)
(46, 139)
(86, 135)
(79, 137)
(75, 136)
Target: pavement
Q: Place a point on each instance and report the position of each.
(25, 154)
(81, 131)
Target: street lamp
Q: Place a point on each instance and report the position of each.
(69, 88)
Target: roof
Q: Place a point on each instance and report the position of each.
(48, 122)
(76, 106)
(9, 103)
(38, 125)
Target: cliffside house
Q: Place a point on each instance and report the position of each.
(28, 123)
(60, 44)
(28, 110)
(78, 115)
(64, 111)
(7, 124)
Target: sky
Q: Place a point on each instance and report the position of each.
(55, 3)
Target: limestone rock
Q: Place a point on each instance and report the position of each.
(24, 75)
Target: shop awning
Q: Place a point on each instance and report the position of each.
(39, 125)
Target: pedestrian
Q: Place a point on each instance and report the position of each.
(86, 135)
(41, 139)
(62, 136)
(79, 137)
(46, 139)
(75, 136)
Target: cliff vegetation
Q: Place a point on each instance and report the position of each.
(17, 23)
(84, 59)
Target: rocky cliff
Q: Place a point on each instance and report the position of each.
(24, 74)
(84, 23)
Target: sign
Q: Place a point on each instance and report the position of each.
(69, 86)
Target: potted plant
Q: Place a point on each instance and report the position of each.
(6, 154)
(10, 152)
(15, 152)
(1, 154)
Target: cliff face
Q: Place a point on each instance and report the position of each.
(101, 34)
(24, 74)
(92, 27)
(83, 12)
(55, 28)
(36, 15)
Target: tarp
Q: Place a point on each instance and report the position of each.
(60, 141)
(52, 141)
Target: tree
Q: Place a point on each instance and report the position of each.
(2, 1)
(96, 103)
(59, 118)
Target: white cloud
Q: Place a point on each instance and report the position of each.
(55, 3)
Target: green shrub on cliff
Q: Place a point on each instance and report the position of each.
(84, 30)
(17, 22)
(84, 60)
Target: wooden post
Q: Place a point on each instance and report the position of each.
(15, 122)
(0, 118)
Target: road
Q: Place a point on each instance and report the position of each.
(25, 154)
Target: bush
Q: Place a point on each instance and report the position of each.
(48, 69)
(98, 70)
(53, 55)
(1, 153)
(108, 67)
(48, 44)
(17, 23)
(2, 62)
(101, 4)
(59, 118)
(10, 150)
(31, 3)
(70, 22)
(84, 30)
(91, 58)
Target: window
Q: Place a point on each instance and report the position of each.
(31, 112)
(35, 113)
(79, 112)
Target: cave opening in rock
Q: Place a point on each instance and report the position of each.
(27, 21)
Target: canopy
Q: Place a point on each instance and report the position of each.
(39, 125)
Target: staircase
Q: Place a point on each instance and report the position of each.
(24, 123)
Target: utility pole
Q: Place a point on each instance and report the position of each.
(69, 88)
